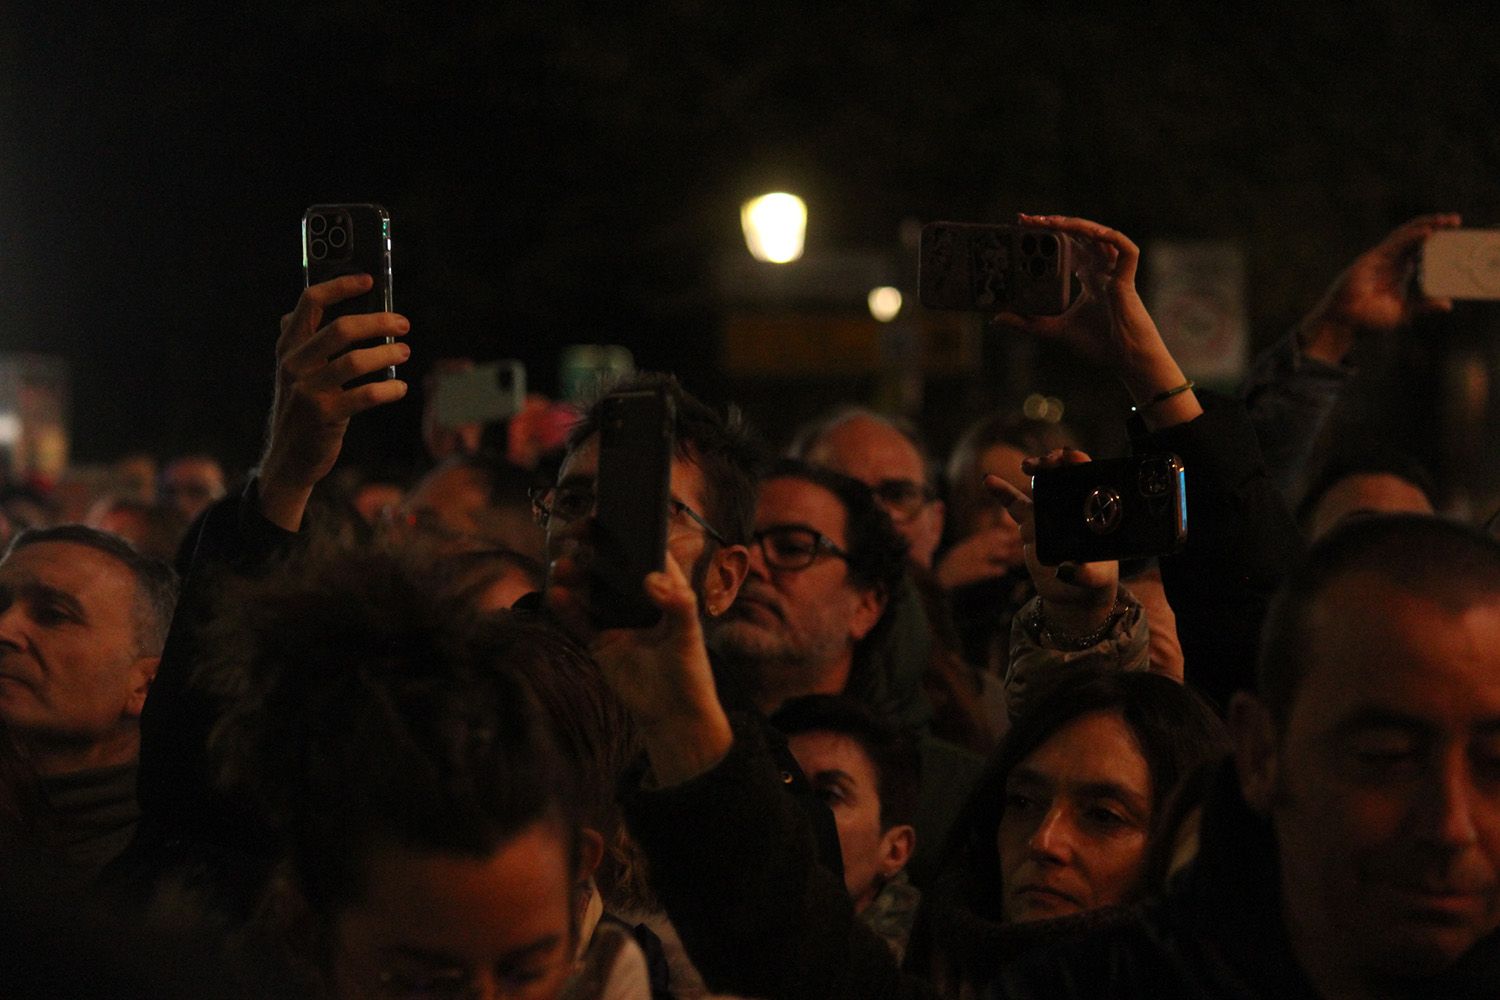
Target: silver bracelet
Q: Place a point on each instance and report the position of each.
(1074, 644)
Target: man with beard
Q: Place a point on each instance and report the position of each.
(823, 566)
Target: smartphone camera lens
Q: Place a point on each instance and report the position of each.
(1048, 245)
(317, 249)
(337, 237)
(1037, 266)
(1028, 244)
(317, 224)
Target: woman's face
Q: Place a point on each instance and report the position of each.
(1072, 835)
(435, 926)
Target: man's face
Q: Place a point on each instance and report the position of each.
(880, 457)
(1386, 791)
(686, 540)
(842, 775)
(798, 627)
(191, 484)
(70, 669)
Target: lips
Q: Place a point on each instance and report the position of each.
(1048, 895)
(754, 604)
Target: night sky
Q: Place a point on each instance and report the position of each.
(563, 172)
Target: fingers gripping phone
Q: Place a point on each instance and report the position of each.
(634, 491)
(1122, 508)
(351, 239)
(995, 268)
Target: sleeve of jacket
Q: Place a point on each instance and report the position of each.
(732, 859)
(1241, 540)
(176, 784)
(1289, 397)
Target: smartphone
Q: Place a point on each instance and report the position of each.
(1120, 508)
(630, 521)
(351, 239)
(994, 268)
(481, 395)
(1461, 264)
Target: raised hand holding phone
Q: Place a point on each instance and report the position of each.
(316, 368)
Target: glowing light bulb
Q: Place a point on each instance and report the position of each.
(775, 225)
(885, 303)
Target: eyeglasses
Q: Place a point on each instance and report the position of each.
(903, 499)
(787, 547)
(566, 504)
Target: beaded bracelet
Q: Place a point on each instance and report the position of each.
(1162, 397)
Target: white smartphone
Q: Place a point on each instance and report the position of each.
(1461, 264)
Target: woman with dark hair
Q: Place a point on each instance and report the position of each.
(1070, 817)
(429, 829)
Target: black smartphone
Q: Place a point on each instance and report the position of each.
(994, 268)
(1120, 508)
(351, 239)
(630, 521)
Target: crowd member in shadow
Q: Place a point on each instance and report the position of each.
(869, 773)
(1360, 482)
(1082, 804)
(1294, 385)
(888, 456)
(431, 840)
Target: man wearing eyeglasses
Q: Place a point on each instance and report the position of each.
(890, 461)
(823, 566)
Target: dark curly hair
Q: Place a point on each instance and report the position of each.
(366, 709)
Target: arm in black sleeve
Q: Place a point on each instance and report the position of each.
(733, 859)
(176, 790)
(1241, 540)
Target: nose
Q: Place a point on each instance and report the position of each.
(1447, 812)
(1052, 840)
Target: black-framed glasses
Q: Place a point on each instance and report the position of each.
(789, 547)
(903, 499)
(566, 504)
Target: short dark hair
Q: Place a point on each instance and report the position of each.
(1454, 564)
(877, 552)
(155, 580)
(1177, 732)
(366, 709)
(898, 767)
(723, 447)
(1356, 461)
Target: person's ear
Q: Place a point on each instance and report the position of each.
(867, 612)
(896, 848)
(142, 673)
(1252, 734)
(726, 572)
(590, 853)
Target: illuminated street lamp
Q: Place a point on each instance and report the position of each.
(774, 225)
(885, 303)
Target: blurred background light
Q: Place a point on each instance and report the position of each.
(885, 303)
(775, 225)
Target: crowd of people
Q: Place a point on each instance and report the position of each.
(309, 735)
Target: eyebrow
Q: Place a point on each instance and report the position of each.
(431, 957)
(834, 774)
(1367, 719)
(1089, 789)
(34, 591)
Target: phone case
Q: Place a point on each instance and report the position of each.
(351, 239)
(1122, 508)
(994, 268)
(494, 391)
(630, 522)
(1461, 264)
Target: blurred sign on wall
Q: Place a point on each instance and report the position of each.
(34, 437)
(1196, 293)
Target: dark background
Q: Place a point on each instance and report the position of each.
(558, 173)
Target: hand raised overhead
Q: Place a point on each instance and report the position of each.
(311, 408)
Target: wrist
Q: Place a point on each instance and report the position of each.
(1069, 626)
(684, 747)
(281, 503)
(1325, 338)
